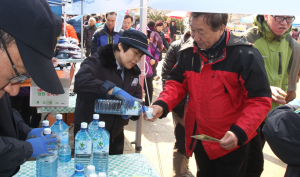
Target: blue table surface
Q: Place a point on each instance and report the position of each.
(127, 165)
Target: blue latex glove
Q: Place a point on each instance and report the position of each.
(126, 116)
(294, 102)
(40, 145)
(35, 133)
(122, 95)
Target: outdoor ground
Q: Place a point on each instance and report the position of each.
(158, 141)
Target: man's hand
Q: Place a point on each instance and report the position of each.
(229, 141)
(157, 112)
(278, 95)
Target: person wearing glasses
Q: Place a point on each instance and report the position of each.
(271, 36)
(26, 51)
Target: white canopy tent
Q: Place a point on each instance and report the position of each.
(229, 6)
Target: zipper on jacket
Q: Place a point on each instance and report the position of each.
(280, 64)
(193, 139)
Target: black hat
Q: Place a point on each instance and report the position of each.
(35, 29)
(137, 40)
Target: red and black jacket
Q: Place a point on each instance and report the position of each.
(227, 93)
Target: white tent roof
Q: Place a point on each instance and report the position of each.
(277, 7)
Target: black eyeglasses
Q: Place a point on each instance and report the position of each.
(282, 18)
(19, 78)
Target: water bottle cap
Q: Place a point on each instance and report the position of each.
(58, 116)
(45, 123)
(115, 173)
(83, 125)
(101, 124)
(96, 116)
(102, 174)
(64, 141)
(79, 167)
(91, 168)
(47, 131)
(93, 175)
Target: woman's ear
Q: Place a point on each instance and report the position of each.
(120, 47)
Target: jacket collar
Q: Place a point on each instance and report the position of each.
(107, 57)
(231, 40)
(265, 30)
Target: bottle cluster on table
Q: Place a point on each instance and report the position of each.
(91, 150)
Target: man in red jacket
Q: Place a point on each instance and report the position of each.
(229, 95)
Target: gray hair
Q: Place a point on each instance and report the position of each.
(92, 18)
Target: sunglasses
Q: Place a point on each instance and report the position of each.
(19, 78)
(282, 18)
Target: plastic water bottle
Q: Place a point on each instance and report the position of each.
(101, 148)
(93, 126)
(90, 170)
(46, 166)
(83, 146)
(45, 124)
(117, 107)
(79, 171)
(60, 128)
(64, 159)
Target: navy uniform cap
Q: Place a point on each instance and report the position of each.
(137, 40)
(35, 29)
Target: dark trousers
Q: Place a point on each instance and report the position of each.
(230, 165)
(116, 144)
(255, 164)
(21, 104)
(150, 90)
(88, 51)
(154, 70)
(179, 138)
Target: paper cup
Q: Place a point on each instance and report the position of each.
(149, 113)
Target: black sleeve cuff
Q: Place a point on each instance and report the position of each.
(240, 134)
(164, 106)
(107, 85)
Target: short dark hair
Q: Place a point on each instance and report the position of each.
(214, 20)
(128, 16)
(103, 20)
(124, 46)
(96, 18)
(159, 23)
(151, 23)
(110, 13)
(7, 39)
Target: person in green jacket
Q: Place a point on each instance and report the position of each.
(271, 36)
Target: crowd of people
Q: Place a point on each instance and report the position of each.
(239, 90)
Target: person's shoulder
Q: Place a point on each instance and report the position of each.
(252, 34)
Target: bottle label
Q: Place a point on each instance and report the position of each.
(101, 145)
(64, 158)
(134, 110)
(83, 147)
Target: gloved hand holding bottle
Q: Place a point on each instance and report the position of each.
(35, 133)
(122, 95)
(40, 145)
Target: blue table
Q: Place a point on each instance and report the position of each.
(127, 165)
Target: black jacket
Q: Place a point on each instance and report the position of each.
(172, 56)
(96, 76)
(14, 150)
(88, 33)
(165, 42)
(103, 36)
(282, 129)
(173, 30)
